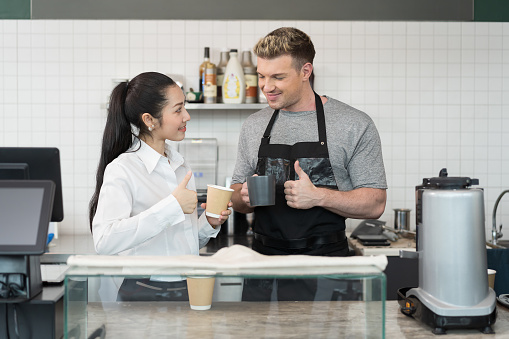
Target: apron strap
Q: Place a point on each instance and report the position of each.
(266, 134)
(320, 116)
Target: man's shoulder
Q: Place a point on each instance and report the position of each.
(337, 105)
(339, 108)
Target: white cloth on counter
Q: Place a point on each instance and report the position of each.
(138, 215)
(234, 260)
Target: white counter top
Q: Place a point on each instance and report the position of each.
(66, 245)
(266, 320)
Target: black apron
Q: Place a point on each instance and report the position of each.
(144, 289)
(280, 229)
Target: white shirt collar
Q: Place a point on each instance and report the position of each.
(175, 158)
(150, 157)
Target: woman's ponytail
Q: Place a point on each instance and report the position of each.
(117, 139)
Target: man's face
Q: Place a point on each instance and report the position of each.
(280, 82)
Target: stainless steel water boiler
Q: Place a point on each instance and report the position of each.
(453, 287)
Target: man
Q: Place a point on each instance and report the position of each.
(326, 156)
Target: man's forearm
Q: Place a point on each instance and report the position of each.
(360, 203)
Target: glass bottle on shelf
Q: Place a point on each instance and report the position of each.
(206, 59)
(209, 84)
(251, 77)
(221, 67)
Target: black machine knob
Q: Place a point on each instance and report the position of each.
(443, 181)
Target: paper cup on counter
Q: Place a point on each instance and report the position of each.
(491, 278)
(218, 198)
(200, 287)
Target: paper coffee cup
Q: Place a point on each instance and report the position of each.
(200, 287)
(491, 278)
(218, 198)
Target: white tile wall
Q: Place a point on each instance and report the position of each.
(438, 92)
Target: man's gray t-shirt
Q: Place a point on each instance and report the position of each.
(354, 145)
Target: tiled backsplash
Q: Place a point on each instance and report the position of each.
(437, 91)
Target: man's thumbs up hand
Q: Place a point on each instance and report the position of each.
(300, 193)
(300, 172)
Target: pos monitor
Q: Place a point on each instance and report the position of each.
(34, 163)
(25, 210)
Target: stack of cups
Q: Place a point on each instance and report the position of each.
(491, 278)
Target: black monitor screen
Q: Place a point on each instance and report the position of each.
(43, 164)
(25, 209)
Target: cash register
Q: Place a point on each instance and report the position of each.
(25, 210)
(29, 186)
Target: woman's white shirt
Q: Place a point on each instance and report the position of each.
(136, 212)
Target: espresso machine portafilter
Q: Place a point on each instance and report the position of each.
(453, 287)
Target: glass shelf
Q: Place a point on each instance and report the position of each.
(248, 291)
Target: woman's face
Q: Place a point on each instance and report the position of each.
(173, 116)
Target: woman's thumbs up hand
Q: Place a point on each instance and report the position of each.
(187, 199)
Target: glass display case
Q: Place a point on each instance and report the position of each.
(253, 296)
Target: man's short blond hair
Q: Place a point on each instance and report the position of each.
(286, 41)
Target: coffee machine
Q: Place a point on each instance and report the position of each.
(453, 290)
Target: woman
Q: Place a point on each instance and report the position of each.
(145, 197)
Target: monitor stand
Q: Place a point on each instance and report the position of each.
(25, 272)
